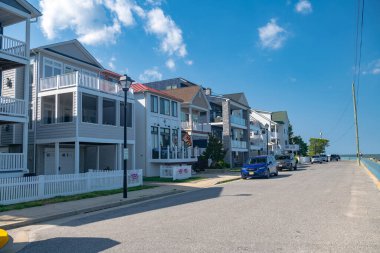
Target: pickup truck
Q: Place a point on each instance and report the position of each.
(286, 162)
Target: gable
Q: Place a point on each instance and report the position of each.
(200, 100)
(243, 100)
(73, 49)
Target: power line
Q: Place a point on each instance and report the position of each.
(360, 52)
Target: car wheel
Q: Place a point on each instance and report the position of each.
(276, 173)
(243, 177)
(295, 167)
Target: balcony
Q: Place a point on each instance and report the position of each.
(238, 121)
(10, 162)
(239, 144)
(200, 127)
(76, 79)
(12, 107)
(12, 47)
(175, 154)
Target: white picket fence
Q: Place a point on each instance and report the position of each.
(23, 189)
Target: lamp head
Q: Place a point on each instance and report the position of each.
(125, 81)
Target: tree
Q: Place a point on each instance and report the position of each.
(214, 151)
(299, 141)
(317, 146)
(290, 133)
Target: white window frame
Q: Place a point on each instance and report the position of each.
(45, 62)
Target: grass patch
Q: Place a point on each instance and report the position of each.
(235, 170)
(60, 199)
(228, 180)
(169, 180)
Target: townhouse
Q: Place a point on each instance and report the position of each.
(274, 126)
(14, 99)
(229, 119)
(159, 143)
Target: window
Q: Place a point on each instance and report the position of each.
(155, 149)
(30, 112)
(165, 137)
(174, 109)
(69, 69)
(164, 106)
(52, 68)
(89, 109)
(65, 107)
(174, 137)
(48, 109)
(154, 104)
(109, 112)
(129, 114)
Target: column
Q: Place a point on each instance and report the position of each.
(76, 157)
(116, 156)
(120, 160)
(97, 157)
(191, 117)
(133, 157)
(56, 157)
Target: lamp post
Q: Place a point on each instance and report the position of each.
(125, 82)
(266, 128)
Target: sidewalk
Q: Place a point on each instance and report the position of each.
(19, 218)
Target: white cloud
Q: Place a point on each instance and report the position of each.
(111, 63)
(272, 36)
(304, 7)
(170, 64)
(375, 67)
(154, 2)
(101, 35)
(167, 31)
(189, 62)
(150, 75)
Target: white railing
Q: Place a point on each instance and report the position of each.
(12, 46)
(12, 106)
(11, 162)
(238, 120)
(82, 80)
(201, 127)
(175, 172)
(239, 144)
(22, 189)
(175, 153)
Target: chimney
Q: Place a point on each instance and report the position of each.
(208, 91)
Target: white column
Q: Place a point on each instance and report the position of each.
(120, 160)
(56, 157)
(133, 157)
(76, 157)
(191, 117)
(116, 156)
(97, 157)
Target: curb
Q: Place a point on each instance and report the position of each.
(372, 176)
(3, 238)
(87, 210)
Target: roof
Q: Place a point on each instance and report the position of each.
(141, 88)
(186, 94)
(170, 82)
(111, 73)
(238, 98)
(34, 12)
(280, 117)
(74, 50)
(16, 11)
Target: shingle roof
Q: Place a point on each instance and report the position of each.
(186, 94)
(141, 88)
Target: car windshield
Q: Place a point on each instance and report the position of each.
(282, 157)
(315, 156)
(257, 160)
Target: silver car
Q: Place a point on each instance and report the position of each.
(316, 159)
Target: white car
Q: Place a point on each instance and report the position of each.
(316, 159)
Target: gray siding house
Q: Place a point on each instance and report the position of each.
(14, 99)
(77, 113)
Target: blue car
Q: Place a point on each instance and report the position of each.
(259, 166)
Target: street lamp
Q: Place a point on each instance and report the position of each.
(266, 128)
(125, 82)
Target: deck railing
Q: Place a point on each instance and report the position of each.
(175, 153)
(238, 120)
(12, 46)
(12, 106)
(201, 127)
(11, 162)
(80, 80)
(239, 144)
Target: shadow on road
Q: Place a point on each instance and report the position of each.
(185, 198)
(69, 244)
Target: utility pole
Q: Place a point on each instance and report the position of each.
(356, 124)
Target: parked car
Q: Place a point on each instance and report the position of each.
(334, 157)
(286, 162)
(259, 166)
(324, 158)
(316, 159)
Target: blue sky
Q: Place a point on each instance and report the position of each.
(284, 54)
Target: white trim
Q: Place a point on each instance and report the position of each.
(15, 10)
(84, 139)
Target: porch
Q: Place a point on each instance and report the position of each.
(12, 109)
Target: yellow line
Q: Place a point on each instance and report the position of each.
(372, 176)
(3, 238)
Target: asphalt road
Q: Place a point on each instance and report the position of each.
(332, 207)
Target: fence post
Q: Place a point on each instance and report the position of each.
(41, 186)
